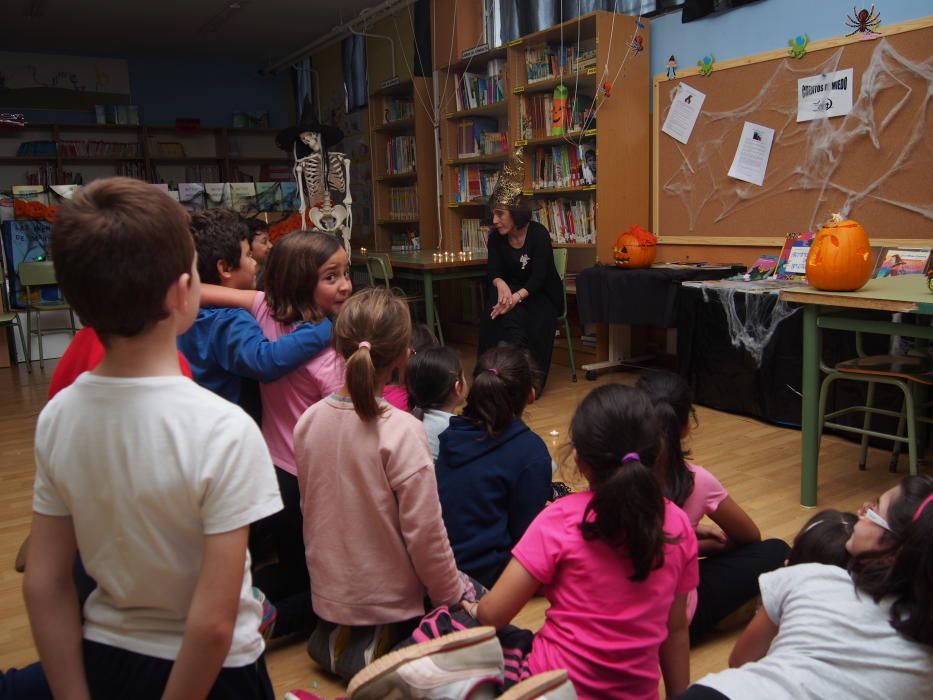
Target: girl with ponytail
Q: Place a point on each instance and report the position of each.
(616, 562)
(375, 542)
(734, 555)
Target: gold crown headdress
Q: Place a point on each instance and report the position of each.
(508, 190)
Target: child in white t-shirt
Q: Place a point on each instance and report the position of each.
(436, 389)
(152, 478)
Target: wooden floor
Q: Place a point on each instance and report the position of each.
(758, 464)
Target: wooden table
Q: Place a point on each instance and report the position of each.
(845, 311)
(422, 266)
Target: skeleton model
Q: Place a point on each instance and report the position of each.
(320, 174)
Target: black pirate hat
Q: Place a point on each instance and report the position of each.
(330, 135)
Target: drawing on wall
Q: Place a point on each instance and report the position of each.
(62, 82)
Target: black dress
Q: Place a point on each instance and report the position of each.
(531, 323)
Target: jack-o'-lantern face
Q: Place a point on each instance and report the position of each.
(630, 251)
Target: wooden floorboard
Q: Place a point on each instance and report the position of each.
(757, 462)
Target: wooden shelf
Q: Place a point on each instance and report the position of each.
(259, 159)
(555, 140)
(487, 158)
(544, 191)
(494, 109)
(480, 59)
(586, 77)
(398, 125)
(455, 205)
(397, 177)
(12, 160)
(185, 159)
(397, 221)
(403, 87)
(101, 159)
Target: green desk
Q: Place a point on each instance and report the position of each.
(422, 266)
(841, 311)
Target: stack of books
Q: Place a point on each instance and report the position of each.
(473, 236)
(564, 166)
(480, 136)
(98, 149)
(569, 220)
(403, 203)
(400, 155)
(479, 90)
(548, 61)
(535, 114)
(474, 182)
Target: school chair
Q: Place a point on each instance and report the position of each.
(34, 276)
(560, 262)
(379, 267)
(912, 375)
(9, 318)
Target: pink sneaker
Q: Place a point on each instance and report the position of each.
(464, 665)
(551, 685)
(299, 694)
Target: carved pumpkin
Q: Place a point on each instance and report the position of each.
(840, 258)
(635, 248)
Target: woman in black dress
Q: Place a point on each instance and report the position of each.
(525, 294)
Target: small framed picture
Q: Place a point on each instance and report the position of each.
(894, 262)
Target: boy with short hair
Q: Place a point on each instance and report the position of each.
(154, 479)
(226, 345)
(260, 245)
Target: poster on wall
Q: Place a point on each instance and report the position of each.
(48, 81)
(826, 95)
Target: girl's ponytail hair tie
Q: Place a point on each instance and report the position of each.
(364, 344)
(921, 507)
(631, 456)
(494, 370)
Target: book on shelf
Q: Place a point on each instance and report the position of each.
(191, 195)
(396, 109)
(98, 149)
(403, 203)
(479, 90)
(269, 196)
(474, 235)
(243, 197)
(30, 201)
(548, 61)
(474, 182)
(568, 220)
(535, 113)
(400, 155)
(563, 166)
(41, 149)
(217, 195)
(480, 136)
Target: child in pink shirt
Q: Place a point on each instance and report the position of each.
(375, 540)
(734, 555)
(616, 563)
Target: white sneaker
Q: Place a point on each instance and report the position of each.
(551, 685)
(459, 666)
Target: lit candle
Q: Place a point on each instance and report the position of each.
(363, 251)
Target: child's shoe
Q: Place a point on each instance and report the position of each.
(299, 694)
(269, 613)
(551, 685)
(559, 489)
(464, 665)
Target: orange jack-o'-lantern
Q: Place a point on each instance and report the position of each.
(840, 257)
(635, 248)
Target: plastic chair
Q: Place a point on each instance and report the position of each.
(9, 318)
(909, 374)
(379, 267)
(560, 262)
(33, 276)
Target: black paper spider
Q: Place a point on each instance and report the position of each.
(864, 21)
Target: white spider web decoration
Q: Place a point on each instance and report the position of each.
(890, 79)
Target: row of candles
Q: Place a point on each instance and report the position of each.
(445, 256)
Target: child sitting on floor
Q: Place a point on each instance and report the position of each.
(396, 391)
(733, 553)
(822, 539)
(376, 543)
(154, 479)
(436, 388)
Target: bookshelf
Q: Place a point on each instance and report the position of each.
(153, 153)
(403, 161)
(530, 68)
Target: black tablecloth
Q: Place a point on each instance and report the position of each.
(608, 294)
(727, 378)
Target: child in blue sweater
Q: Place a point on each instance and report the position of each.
(493, 472)
(226, 346)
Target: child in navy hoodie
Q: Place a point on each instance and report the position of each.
(493, 473)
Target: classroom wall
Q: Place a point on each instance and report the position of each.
(210, 89)
(763, 26)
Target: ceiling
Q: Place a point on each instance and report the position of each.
(263, 30)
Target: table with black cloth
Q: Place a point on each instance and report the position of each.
(647, 297)
(727, 378)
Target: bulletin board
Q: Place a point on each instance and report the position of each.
(874, 164)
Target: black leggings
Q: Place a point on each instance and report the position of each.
(286, 582)
(730, 579)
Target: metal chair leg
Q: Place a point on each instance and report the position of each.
(866, 424)
(896, 452)
(821, 416)
(437, 324)
(39, 338)
(27, 347)
(22, 342)
(911, 430)
(573, 366)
